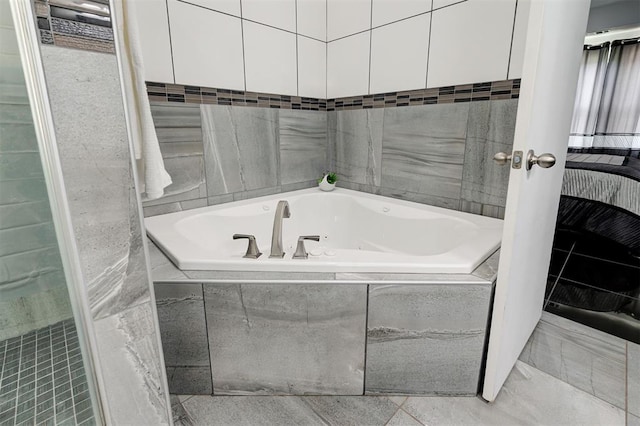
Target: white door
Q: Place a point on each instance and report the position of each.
(556, 30)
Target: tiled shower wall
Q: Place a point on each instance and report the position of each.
(436, 151)
(33, 290)
(93, 146)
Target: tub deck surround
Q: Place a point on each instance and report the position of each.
(359, 233)
(307, 327)
(426, 339)
(288, 339)
(184, 337)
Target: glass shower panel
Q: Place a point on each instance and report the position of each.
(42, 375)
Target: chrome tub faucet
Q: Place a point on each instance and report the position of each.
(282, 211)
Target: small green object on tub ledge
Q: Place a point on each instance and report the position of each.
(328, 181)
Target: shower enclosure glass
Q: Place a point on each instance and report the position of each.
(43, 373)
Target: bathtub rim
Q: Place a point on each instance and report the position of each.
(312, 267)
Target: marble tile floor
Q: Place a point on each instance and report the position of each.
(529, 397)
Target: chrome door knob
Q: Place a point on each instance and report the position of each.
(545, 160)
(502, 158)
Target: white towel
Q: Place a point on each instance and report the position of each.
(152, 176)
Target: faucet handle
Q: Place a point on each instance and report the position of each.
(301, 253)
(253, 252)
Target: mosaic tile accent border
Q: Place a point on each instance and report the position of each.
(42, 378)
(161, 92)
(504, 89)
(66, 23)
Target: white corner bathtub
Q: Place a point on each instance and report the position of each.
(359, 232)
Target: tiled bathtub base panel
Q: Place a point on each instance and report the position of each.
(491, 90)
(43, 378)
(425, 339)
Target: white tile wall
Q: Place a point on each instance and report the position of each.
(519, 39)
(470, 42)
(231, 7)
(399, 55)
(312, 18)
(346, 17)
(270, 59)
(348, 66)
(385, 11)
(199, 58)
(312, 68)
(437, 4)
(153, 31)
(277, 13)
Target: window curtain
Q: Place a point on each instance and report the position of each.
(618, 121)
(590, 84)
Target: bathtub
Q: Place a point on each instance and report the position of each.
(359, 232)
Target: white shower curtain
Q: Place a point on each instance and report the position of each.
(153, 177)
(618, 123)
(593, 67)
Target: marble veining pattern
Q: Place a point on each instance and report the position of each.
(423, 149)
(96, 168)
(179, 131)
(302, 138)
(588, 359)
(128, 352)
(355, 139)
(286, 339)
(529, 398)
(490, 129)
(240, 146)
(94, 152)
(183, 332)
(426, 339)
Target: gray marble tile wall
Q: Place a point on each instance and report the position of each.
(179, 130)
(426, 339)
(286, 339)
(591, 360)
(183, 330)
(241, 153)
(33, 292)
(96, 166)
(434, 154)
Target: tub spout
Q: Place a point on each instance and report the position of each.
(282, 211)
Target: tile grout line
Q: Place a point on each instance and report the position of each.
(370, 46)
(4, 358)
(66, 352)
(53, 383)
(206, 328)
(426, 73)
(173, 66)
(36, 381)
(513, 32)
(297, 52)
(15, 409)
(244, 60)
(393, 415)
(409, 414)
